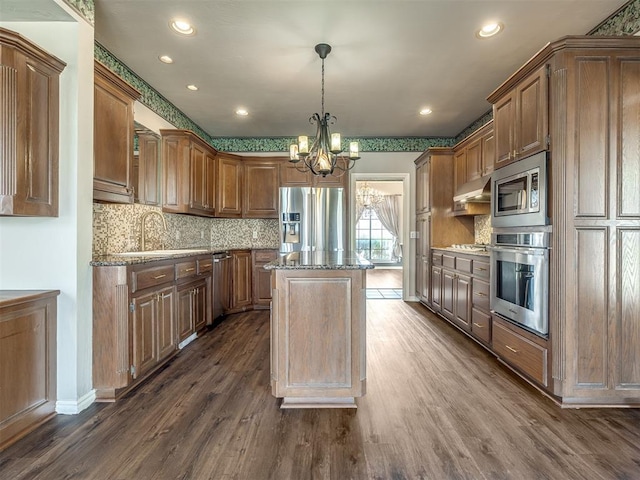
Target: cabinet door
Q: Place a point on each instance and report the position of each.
(241, 284)
(532, 114)
(148, 181)
(474, 160)
(210, 183)
(436, 288)
(262, 278)
(166, 326)
(459, 168)
(448, 294)
(423, 203)
(198, 178)
(144, 321)
(425, 266)
(229, 187)
(488, 153)
(462, 301)
(201, 304)
(186, 313)
(260, 190)
(504, 130)
(290, 176)
(113, 132)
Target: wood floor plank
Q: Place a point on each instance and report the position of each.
(438, 406)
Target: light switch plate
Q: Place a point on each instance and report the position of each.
(414, 234)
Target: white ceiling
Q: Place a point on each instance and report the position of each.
(390, 58)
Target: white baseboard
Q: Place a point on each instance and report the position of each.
(73, 407)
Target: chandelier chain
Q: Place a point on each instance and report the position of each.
(323, 87)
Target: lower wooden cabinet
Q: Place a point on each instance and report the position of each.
(524, 351)
(140, 314)
(262, 278)
(241, 284)
(27, 361)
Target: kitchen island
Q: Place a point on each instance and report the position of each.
(318, 329)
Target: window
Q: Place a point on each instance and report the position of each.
(373, 241)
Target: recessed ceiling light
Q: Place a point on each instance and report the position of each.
(425, 111)
(165, 59)
(192, 87)
(242, 112)
(182, 27)
(489, 30)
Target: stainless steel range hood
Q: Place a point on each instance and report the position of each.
(478, 191)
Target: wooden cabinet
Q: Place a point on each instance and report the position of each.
(113, 132)
(436, 226)
(147, 169)
(473, 159)
(189, 174)
(521, 118)
(318, 346)
(593, 349)
(29, 130)
(229, 186)
(261, 181)
(290, 176)
(460, 291)
(241, 282)
(27, 361)
(262, 278)
(140, 314)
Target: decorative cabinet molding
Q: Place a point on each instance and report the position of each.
(113, 132)
(29, 131)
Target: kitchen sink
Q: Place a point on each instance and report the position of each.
(160, 253)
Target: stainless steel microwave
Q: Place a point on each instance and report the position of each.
(519, 193)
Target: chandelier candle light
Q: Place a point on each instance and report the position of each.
(323, 157)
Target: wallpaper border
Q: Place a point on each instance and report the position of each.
(86, 9)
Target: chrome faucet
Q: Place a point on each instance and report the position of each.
(143, 218)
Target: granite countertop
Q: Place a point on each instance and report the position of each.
(319, 261)
(481, 253)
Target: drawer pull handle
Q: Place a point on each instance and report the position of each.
(481, 269)
(157, 277)
(206, 265)
(478, 325)
(480, 294)
(190, 269)
(512, 349)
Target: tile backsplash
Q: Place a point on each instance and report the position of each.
(482, 226)
(116, 228)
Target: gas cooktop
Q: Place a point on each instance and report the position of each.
(469, 247)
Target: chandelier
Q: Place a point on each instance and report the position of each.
(323, 158)
(368, 197)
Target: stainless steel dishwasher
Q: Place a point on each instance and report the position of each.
(221, 281)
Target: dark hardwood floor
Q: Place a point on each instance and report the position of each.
(437, 407)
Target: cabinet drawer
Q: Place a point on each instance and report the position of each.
(436, 259)
(265, 256)
(480, 297)
(205, 265)
(151, 276)
(481, 325)
(449, 261)
(464, 264)
(186, 269)
(520, 352)
(481, 269)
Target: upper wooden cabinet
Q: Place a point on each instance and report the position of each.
(29, 130)
(290, 176)
(521, 118)
(189, 174)
(229, 185)
(423, 202)
(113, 132)
(261, 180)
(147, 169)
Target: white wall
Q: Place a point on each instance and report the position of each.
(384, 166)
(54, 253)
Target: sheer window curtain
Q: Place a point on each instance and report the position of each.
(388, 212)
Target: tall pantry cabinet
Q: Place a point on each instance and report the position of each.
(593, 99)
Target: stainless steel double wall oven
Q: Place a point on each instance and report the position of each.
(520, 244)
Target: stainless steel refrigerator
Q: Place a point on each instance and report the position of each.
(312, 219)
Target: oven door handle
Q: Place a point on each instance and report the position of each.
(524, 251)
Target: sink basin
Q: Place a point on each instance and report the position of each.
(160, 253)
